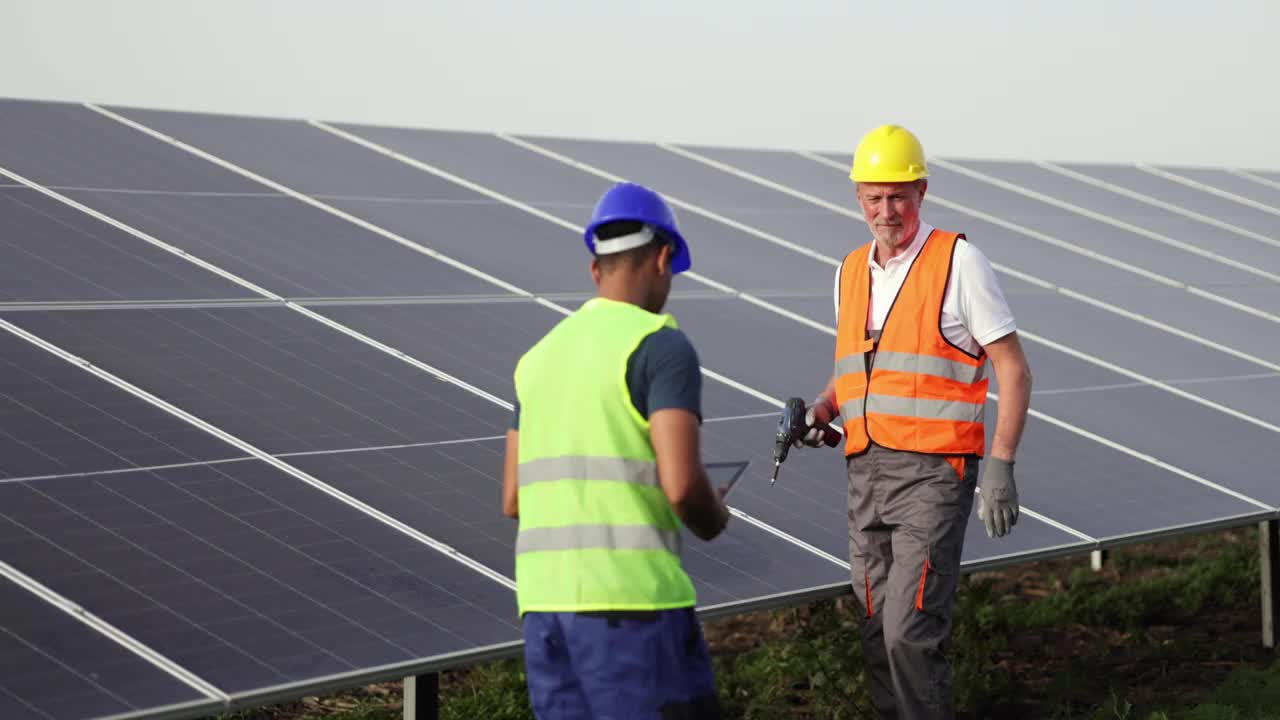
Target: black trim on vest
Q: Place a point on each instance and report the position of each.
(945, 285)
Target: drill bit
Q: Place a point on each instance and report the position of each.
(776, 464)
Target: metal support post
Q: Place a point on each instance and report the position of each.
(422, 697)
(1269, 535)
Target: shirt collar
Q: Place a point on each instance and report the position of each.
(922, 234)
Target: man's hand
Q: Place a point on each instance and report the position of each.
(818, 419)
(722, 512)
(998, 498)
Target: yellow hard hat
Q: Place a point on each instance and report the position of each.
(889, 153)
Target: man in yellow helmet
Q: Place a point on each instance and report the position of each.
(918, 314)
(603, 471)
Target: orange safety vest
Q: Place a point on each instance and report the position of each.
(925, 394)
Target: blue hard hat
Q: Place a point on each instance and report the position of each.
(637, 203)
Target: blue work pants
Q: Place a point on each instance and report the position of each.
(619, 666)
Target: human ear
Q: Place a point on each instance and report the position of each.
(664, 256)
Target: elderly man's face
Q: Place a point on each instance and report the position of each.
(892, 211)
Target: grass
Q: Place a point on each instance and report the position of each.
(1165, 632)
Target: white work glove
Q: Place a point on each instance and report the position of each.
(998, 497)
(818, 419)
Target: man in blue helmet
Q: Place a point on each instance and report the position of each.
(603, 471)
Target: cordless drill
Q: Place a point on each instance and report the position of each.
(791, 427)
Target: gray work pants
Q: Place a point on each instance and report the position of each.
(907, 516)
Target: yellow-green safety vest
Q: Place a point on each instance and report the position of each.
(596, 531)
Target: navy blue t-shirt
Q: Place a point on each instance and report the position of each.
(662, 373)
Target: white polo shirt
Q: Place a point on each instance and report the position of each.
(974, 311)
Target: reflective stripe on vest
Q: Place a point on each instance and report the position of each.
(956, 410)
(590, 537)
(923, 394)
(852, 409)
(912, 363)
(577, 467)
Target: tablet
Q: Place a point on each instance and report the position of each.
(726, 473)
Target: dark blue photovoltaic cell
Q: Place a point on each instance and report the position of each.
(246, 576)
(497, 164)
(67, 145)
(486, 340)
(54, 666)
(540, 256)
(1094, 235)
(1204, 371)
(676, 175)
(1203, 235)
(508, 243)
(454, 492)
(1191, 198)
(301, 156)
(1235, 184)
(513, 246)
(1155, 422)
(55, 418)
(286, 247)
(51, 251)
(727, 255)
(798, 359)
(271, 376)
(236, 223)
(737, 198)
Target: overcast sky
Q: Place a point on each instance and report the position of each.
(1087, 80)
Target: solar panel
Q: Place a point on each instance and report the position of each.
(246, 576)
(1175, 221)
(259, 500)
(270, 376)
(1246, 216)
(56, 419)
(1230, 182)
(55, 253)
(53, 665)
(1270, 179)
(1151, 254)
(278, 243)
(63, 146)
(469, 227)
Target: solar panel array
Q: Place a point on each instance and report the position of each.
(257, 372)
